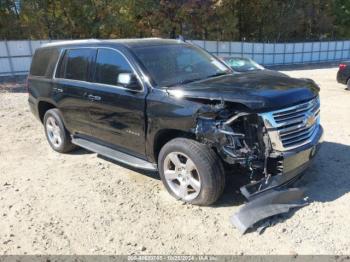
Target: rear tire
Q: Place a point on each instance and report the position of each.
(57, 135)
(348, 85)
(191, 171)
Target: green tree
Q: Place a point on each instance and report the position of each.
(342, 22)
(249, 20)
(10, 20)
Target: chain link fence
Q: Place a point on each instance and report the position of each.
(15, 56)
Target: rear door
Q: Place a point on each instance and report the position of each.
(71, 86)
(117, 113)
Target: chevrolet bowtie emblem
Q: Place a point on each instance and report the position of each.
(310, 120)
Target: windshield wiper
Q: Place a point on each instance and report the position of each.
(217, 74)
(186, 81)
(190, 80)
(198, 79)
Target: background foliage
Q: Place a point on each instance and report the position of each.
(249, 20)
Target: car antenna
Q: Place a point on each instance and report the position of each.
(181, 38)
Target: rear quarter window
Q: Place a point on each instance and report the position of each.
(44, 62)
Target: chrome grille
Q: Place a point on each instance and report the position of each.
(293, 126)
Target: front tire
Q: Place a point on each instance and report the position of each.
(56, 134)
(191, 171)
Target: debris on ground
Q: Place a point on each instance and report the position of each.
(267, 205)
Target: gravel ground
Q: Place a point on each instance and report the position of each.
(79, 203)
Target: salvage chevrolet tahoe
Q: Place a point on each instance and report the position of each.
(170, 106)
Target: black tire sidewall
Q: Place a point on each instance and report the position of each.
(66, 143)
(204, 166)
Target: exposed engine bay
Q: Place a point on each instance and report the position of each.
(240, 138)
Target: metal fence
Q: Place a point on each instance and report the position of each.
(15, 56)
(269, 54)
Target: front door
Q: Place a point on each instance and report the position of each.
(117, 113)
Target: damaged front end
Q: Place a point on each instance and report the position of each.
(274, 147)
(240, 138)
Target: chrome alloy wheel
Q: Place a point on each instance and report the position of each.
(182, 176)
(53, 132)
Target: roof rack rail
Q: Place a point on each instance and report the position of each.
(67, 42)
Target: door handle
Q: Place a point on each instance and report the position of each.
(57, 90)
(94, 98)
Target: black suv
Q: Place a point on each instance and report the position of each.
(170, 106)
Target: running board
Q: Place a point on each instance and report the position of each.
(114, 154)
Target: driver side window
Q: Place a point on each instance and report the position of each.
(109, 64)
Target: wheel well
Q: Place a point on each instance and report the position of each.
(43, 107)
(165, 136)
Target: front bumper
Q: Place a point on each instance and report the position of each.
(293, 162)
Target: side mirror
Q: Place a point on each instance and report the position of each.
(129, 80)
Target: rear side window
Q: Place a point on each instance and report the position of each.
(76, 64)
(109, 64)
(44, 62)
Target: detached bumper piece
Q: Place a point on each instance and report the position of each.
(268, 204)
(270, 196)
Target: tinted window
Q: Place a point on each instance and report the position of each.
(109, 64)
(76, 64)
(44, 62)
(62, 66)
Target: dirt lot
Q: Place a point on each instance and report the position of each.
(81, 204)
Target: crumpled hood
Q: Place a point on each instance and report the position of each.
(259, 91)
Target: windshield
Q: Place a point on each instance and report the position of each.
(242, 64)
(170, 65)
